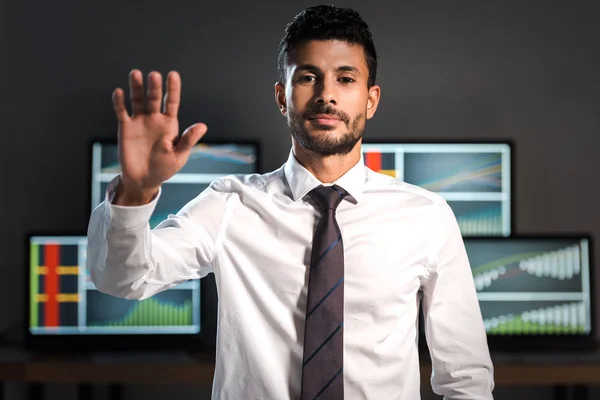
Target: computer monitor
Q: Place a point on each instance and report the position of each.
(207, 162)
(533, 285)
(535, 292)
(475, 178)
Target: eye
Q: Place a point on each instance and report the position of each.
(306, 78)
(346, 79)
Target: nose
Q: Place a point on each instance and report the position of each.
(326, 92)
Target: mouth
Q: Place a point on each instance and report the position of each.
(325, 119)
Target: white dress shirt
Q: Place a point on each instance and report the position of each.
(255, 232)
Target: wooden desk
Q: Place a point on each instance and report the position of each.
(86, 370)
(202, 373)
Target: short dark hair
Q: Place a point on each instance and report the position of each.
(327, 22)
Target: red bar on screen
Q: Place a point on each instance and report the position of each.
(373, 161)
(51, 257)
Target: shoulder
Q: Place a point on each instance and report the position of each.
(230, 190)
(238, 184)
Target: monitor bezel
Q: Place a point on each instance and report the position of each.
(507, 142)
(555, 342)
(538, 343)
(201, 341)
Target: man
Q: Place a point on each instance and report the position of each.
(319, 264)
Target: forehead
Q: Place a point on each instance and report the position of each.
(329, 54)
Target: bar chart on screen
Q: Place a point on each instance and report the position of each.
(64, 300)
(532, 285)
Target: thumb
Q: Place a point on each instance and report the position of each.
(190, 137)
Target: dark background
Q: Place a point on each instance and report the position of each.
(525, 71)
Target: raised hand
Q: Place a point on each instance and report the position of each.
(150, 148)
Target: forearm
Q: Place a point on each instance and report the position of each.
(463, 378)
(128, 259)
(117, 258)
(122, 254)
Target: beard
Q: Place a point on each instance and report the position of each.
(325, 144)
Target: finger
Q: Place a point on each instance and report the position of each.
(154, 92)
(136, 91)
(118, 100)
(173, 96)
(190, 137)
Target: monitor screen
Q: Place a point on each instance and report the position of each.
(533, 286)
(475, 178)
(63, 300)
(207, 162)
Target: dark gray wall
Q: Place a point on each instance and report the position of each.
(450, 70)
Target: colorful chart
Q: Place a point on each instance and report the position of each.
(54, 284)
(532, 285)
(64, 300)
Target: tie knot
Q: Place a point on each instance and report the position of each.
(328, 197)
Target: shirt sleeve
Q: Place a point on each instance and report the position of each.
(129, 260)
(454, 329)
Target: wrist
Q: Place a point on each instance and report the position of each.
(127, 196)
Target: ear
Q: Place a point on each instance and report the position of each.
(280, 97)
(373, 100)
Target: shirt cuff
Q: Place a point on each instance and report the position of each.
(128, 217)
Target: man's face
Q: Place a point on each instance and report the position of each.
(325, 97)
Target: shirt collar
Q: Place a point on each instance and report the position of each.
(301, 181)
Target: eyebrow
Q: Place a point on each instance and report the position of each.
(313, 68)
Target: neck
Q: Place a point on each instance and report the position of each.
(327, 169)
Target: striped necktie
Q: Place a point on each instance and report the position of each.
(322, 367)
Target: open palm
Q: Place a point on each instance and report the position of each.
(150, 148)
